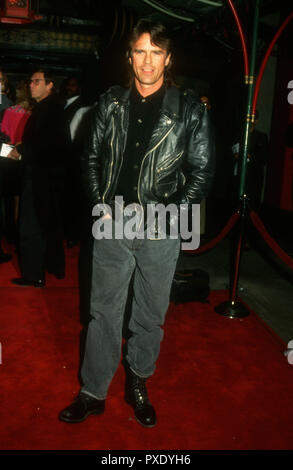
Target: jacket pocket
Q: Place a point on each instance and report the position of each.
(166, 189)
(167, 166)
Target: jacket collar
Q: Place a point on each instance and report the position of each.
(170, 105)
(171, 102)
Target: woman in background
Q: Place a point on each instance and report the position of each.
(12, 126)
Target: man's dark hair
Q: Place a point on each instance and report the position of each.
(48, 76)
(159, 36)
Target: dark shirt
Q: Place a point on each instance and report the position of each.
(143, 114)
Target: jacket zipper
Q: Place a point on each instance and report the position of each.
(163, 168)
(154, 148)
(112, 162)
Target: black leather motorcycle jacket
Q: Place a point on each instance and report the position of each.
(178, 164)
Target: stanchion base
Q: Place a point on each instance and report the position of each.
(232, 310)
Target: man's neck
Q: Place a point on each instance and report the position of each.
(42, 99)
(146, 90)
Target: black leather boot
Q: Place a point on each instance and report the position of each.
(81, 408)
(21, 281)
(136, 396)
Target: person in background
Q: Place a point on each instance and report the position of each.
(12, 127)
(41, 216)
(257, 159)
(74, 111)
(15, 117)
(5, 102)
(205, 100)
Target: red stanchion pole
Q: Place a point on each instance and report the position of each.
(242, 38)
(233, 308)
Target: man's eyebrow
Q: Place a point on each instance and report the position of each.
(161, 51)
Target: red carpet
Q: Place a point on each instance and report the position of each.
(220, 383)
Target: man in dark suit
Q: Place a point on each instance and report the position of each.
(74, 102)
(42, 152)
(73, 97)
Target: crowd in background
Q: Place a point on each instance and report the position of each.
(51, 135)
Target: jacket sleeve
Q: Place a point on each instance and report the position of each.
(199, 162)
(91, 157)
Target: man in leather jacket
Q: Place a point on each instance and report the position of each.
(150, 144)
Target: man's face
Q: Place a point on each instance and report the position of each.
(72, 88)
(38, 87)
(148, 62)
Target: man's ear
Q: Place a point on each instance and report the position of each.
(50, 85)
(130, 60)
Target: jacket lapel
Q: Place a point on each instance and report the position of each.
(168, 116)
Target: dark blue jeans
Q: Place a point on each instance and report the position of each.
(153, 264)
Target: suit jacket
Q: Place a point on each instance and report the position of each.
(43, 156)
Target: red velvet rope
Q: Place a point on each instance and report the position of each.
(242, 37)
(231, 222)
(269, 240)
